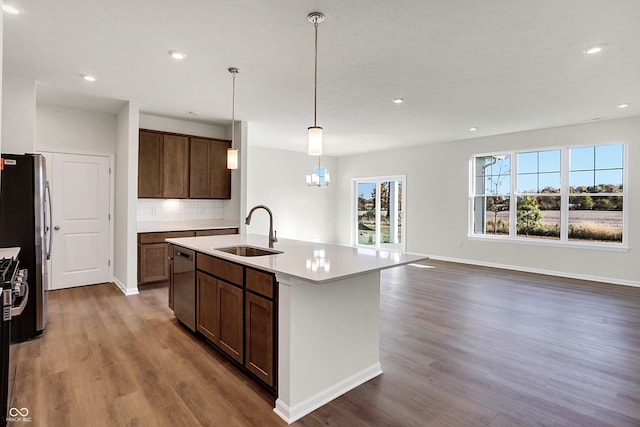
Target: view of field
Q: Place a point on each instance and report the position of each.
(607, 223)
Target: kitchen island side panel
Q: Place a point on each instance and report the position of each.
(329, 340)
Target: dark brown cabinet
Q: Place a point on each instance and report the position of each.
(154, 266)
(153, 253)
(209, 177)
(219, 313)
(150, 164)
(236, 311)
(175, 173)
(260, 324)
(182, 166)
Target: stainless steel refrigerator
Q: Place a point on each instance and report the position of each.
(25, 221)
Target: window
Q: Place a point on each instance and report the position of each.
(570, 194)
(379, 213)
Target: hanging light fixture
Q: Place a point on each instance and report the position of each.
(232, 153)
(319, 178)
(315, 131)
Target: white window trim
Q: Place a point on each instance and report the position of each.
(401, 247)
(564, 194)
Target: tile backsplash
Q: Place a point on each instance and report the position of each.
(179, 209)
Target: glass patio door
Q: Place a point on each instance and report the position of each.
(379, 213)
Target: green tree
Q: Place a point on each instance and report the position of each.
(583, 202)
(528, 214)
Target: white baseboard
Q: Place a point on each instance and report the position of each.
(608, 280)
(124, 289)
(292, 414)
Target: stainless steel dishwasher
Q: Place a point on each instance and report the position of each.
(184, 286)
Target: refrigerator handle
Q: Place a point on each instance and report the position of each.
(48, 227)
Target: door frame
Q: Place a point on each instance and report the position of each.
(402, 246)
(111, 156)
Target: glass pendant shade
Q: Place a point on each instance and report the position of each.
(315, 141)
(232, 158)
(318, 178)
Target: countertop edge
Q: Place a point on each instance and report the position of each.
(249, 262)
(169, 226)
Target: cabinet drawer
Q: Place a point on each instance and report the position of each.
(144, 238)
(220, 268)
(216, 232)
(260, 282)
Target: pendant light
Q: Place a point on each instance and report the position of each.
(315, 131)
(232, 153)
(319, 177)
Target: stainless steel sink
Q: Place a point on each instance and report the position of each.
(244, 250)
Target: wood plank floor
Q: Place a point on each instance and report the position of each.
(460, 346)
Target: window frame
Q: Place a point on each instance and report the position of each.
(565, 168)
(400, 247)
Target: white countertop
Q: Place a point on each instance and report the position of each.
(314, 262)
(198, 224)
(9, 253)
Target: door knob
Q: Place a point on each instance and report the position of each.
(56, 228)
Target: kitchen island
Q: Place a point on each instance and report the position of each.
(328, 335)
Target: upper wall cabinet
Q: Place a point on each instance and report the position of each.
(209, 176)
(182, 166)
(150, 164)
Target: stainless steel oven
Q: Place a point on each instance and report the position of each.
(15, 295)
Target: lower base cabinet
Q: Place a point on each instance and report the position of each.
(219, 314)
(259, 334)
(236, 310)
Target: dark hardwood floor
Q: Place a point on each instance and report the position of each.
(460, 346)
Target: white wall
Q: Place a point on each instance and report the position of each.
(276, 178)
(126, 201)
(69, 130)
(437, 191)
(18, 114)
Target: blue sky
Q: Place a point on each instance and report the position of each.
(539, 169)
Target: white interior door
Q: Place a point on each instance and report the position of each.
(80, 195)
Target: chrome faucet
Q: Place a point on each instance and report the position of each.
(272, 234)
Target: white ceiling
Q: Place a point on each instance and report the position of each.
(500, 65)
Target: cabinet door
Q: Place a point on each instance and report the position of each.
(199, 169)
(154, 264)
(175, 174)
(220, 176)
(231, 311)
(207, 312)
(259, 337)
(150, 164)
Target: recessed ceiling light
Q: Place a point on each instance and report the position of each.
(194, 113)
(593, 119)
(10, 9)
(89, 78)
(398, 100)
(623, 105)
(593, 49)
(177, 55)
(473, 129)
